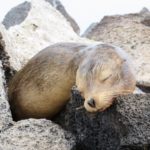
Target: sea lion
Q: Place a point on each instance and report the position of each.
(42, 87)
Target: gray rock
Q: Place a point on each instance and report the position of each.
(89, 30)
(35, 134)
(5, 115)
(124, 126)
(144, 11)
(131, 32)
(58, 5)
(4, 57)
(19, 13)
(42, 26)
(16, 15)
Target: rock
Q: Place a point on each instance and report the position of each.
(146, 20)
(58, 5)
(42, 26)
(128, 32)
(5, 114)
(124, 126)
(89, 30)
(135, 116)
(5, 45)
(144, 11)
(35, 134)
(17, 15)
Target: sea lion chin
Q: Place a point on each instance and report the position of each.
(42, 87)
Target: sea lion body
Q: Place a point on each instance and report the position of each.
(42, 87)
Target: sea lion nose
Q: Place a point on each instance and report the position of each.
(91, 102)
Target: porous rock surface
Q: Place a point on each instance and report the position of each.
(131, 32)
(35, 134)
(5, 114)
(40, 26)
(124, 126)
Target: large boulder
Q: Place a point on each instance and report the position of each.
(131, 32)
(39, 26)
(35, 134)
(17, 14)
(124, 126)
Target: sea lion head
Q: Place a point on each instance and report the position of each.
(103, 75)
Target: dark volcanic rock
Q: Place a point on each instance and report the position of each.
(124, 126)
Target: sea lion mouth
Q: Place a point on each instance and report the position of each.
(111, 101)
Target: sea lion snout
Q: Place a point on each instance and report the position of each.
(91, 102)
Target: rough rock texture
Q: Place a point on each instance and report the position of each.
(18, 14)
(58, 5)
(41, 26)
(124, 126)
(4, 57)
(131, 32)
(5, 115)
(35, 134)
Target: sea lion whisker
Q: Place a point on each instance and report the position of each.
(80, 107)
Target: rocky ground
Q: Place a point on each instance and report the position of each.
(32, 26)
